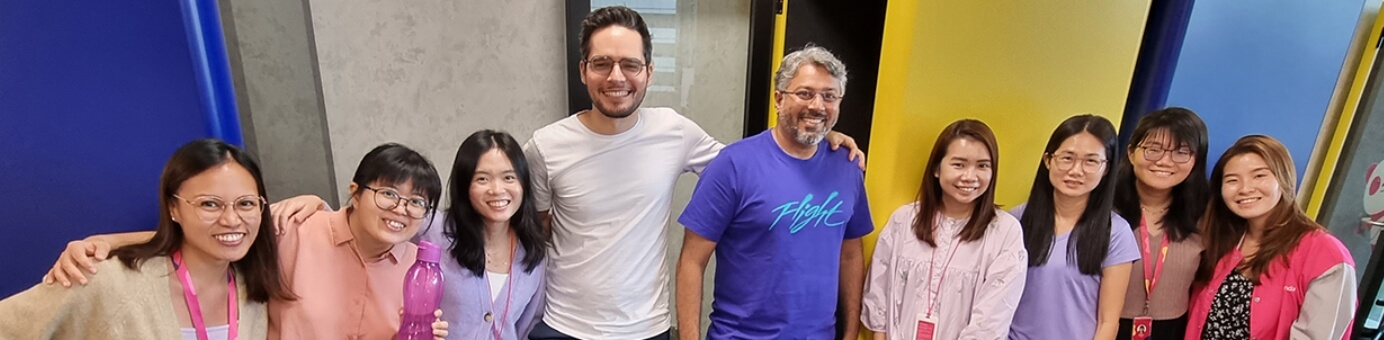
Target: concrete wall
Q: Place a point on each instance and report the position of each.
(429, 73)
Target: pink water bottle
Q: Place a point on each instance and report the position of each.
(422, 294)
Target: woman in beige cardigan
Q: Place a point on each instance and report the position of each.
(206, 274)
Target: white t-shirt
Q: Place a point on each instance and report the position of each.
(610, 196)
(221, 332)
(497, 284)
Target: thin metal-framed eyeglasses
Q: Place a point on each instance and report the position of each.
(807, 95)
(1065, 162)
(603, 65)
(388, 199)
(1154, 153)
(211, 208)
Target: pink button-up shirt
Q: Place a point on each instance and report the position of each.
(1312, 296)
(341, 295)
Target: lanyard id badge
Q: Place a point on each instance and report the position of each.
(927, 328)
(1143, 328)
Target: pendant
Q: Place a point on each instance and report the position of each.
(489, 317)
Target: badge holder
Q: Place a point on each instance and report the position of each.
(927, 328)
(1143, 328)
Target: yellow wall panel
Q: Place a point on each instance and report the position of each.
(1020, 66)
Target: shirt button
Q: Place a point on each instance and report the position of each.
(1256, 299)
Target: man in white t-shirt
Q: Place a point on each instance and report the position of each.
(605, 177)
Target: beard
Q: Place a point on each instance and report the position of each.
(809, 138)
(617, 113)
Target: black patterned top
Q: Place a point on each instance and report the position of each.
(1229, 317)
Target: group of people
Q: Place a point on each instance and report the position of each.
(1112, 243)
(564, 237)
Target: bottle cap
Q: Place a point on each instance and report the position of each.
(429, 252)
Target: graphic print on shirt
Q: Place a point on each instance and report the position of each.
(805, 212)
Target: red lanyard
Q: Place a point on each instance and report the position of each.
(1152, 273)
(931, 265)
(496, 327)
(194, 307)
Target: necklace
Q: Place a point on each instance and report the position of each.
(1153, 211)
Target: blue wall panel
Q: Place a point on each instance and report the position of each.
(94, 97)
(1266, 67)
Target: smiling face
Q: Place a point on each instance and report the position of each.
(1165, 172)
(807, 121)
(1083, 157)
(1250, 188)
(615, 91)
(388, 226)
(218, 223)
(964, 173)
(496, 192)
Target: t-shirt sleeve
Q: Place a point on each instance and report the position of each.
(699, 147)
(538, 175)
(1122, 246)
(861, 223)
(714, 201)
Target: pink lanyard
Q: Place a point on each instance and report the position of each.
(931, 265)
(1151, 274)
(495, 327)
(194, 308)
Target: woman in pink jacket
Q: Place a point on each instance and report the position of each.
(1269, 271)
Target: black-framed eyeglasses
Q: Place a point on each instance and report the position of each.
(806, 95)
(211, 208)
(388, 199)
(1154, 153)
(1065, 162)
(603, 65)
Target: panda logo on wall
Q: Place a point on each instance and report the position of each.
(1373, 202)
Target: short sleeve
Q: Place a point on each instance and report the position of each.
(538, 175)
(1123, 248)
(861, 223)
(714, 201)
(699, 147)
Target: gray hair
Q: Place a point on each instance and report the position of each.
(810, 54)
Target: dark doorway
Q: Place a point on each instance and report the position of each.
(854, 31)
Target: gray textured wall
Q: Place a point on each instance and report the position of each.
(428, 73)
(269, 43)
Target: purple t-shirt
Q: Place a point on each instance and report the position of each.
(778, 223)
(1060, 302)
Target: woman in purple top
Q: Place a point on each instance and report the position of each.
(496, 265)
(952, 260)
(1079, 251)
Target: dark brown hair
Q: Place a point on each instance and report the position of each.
(259, 267)
(1286, 223)
(1182, 126)
(615, 16)
(465, 226)
(930, 195)
(1090, 238)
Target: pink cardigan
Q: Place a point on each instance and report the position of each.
(1312, 296)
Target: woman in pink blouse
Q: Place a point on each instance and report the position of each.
(951, 264)
(1270, 272)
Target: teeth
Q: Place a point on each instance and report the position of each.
(621, 93)
(396, 225)
(1246, 200)
(233, 237)
(498, 204)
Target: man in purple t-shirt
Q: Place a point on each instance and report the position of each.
(784, 217)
